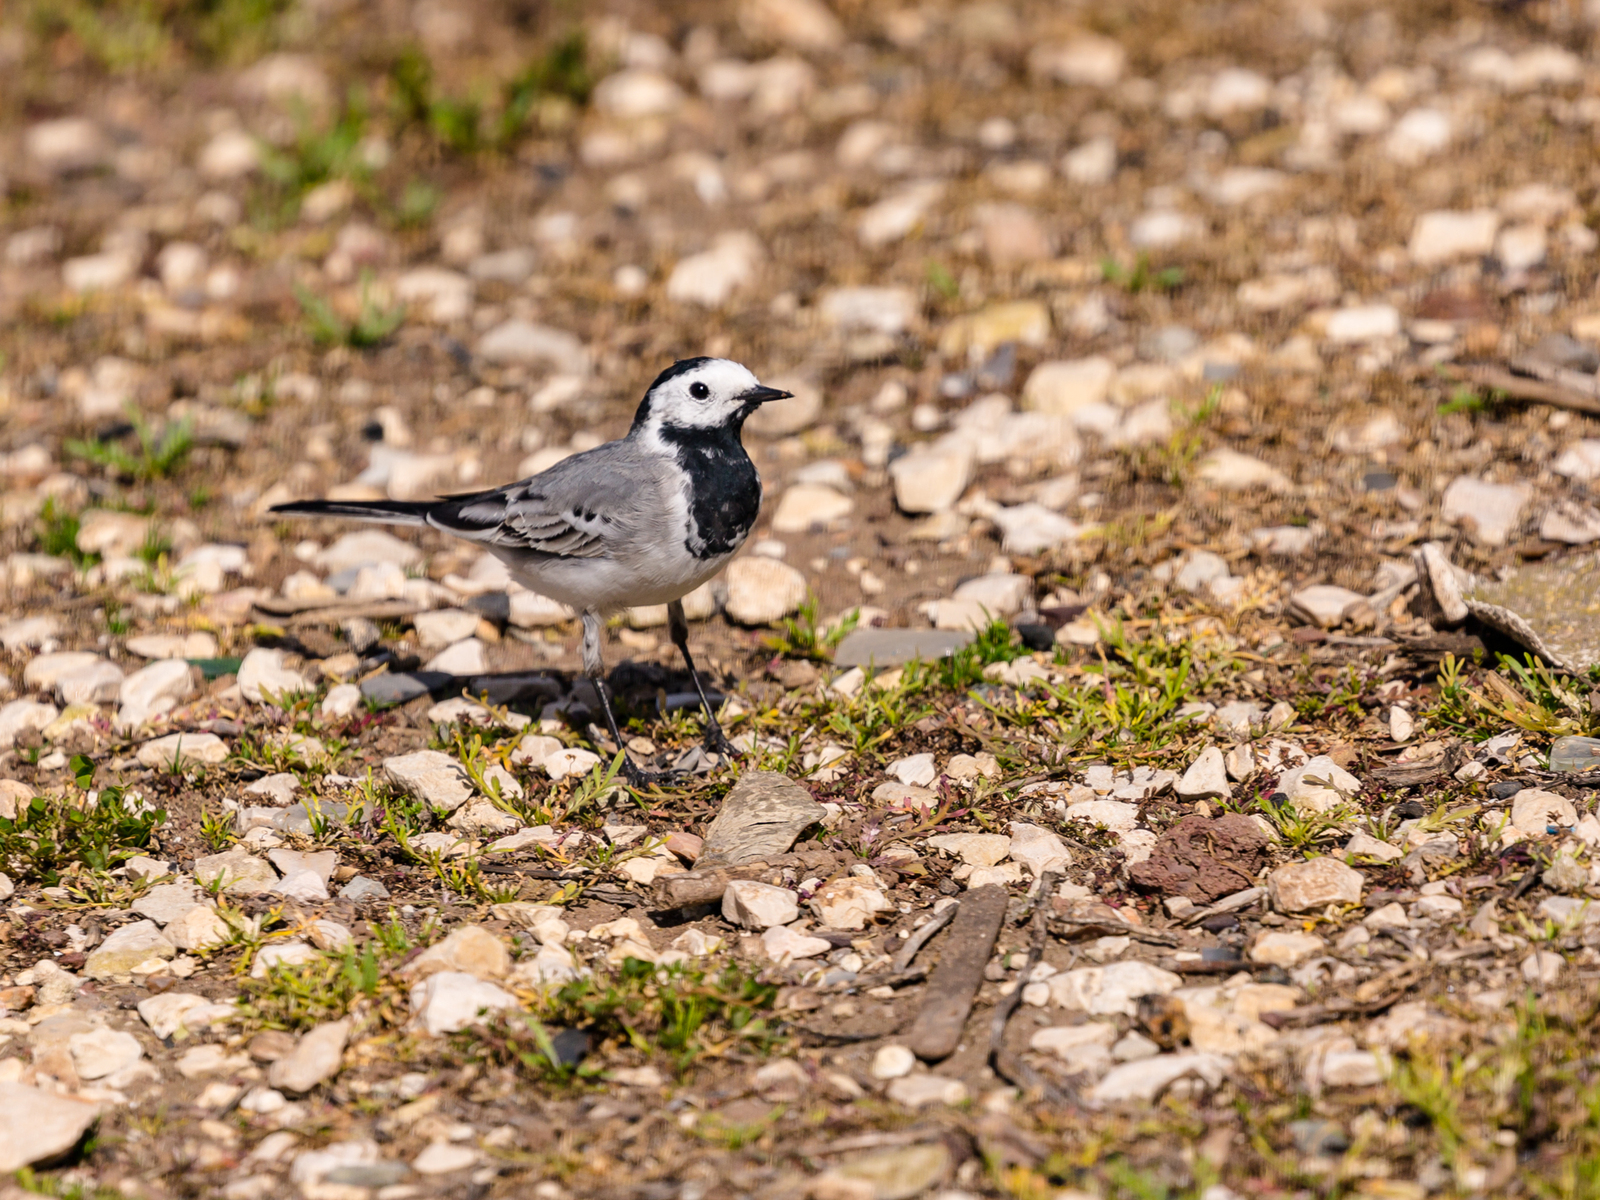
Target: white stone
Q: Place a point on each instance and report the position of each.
(170, 1012)
(931, 479)
(808, 505)
(1319, 786)
(754, 905)
(1092, 164)
(97, 1053)
(1419, 134)
(1579, 461)
(1162, 228)
(895, 216)
(1087, 60)
(125, 948)
(1237, 90)
(849, 903)
(1534, 810)
(783, 944)
(1038, 849)
(1206, 778)
(519, 341)
(1325, 604)
(451, 1000)
(341, 700)
(1570, 522)
(1298, 887)
(263, 677)
(974, 849)
(430, 776)
(919, 1091)
(1441, 236)
(1521, 247)
(443, 1158)
(763, 590)
(893, 1062)
(1364, 845)
(888, 310)
(569, 763)
(1285, 948)
(803, 24)
(315, 1058)
(1145, 1080)
(637, 92)
(1104, 991)
(1031, 528)
(183, 749)
(1063, 387)
(1232, 471)
(710, 278)
(1361, 323)
(37, 1126)
(465, 658)
(1493, 511)
(230, 154)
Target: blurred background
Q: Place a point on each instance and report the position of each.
(1069, 294)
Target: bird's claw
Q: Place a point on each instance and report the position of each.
(717, 743)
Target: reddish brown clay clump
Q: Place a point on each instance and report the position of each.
(1203, 858)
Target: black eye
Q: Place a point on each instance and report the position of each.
(699, 391)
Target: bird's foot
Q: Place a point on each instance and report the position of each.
(717, 743)
(638, 777)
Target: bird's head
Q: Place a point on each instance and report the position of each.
(703, 393)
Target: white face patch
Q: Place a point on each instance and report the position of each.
(706, 396)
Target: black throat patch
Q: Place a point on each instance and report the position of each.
(724, 489)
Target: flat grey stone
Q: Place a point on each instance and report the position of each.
(296, 818)
(397, 688)
(760, 818)
(361, 888)
(514, 687)
(894, 647)
(1552, 608)
(166, 903)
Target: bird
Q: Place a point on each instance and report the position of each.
(642, 520)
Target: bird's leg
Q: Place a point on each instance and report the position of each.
(678, 631)
(594, 669)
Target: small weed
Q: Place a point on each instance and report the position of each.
(941, 281)
(373, 324)
(804, 637)
(1464, 400)
(544, 93)
(51, 834)
(996, 642)
(1537, 700)
(160, 453)
(417, 203)
(677, 1011)
(58, 536)
(49, 1185)
(1302, 831)
(216, 830)
(1126, 705)
(1173, 461)
(316, 156)
(1140, 277)
(299, 997)
(876, 713)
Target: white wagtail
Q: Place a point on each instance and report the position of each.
(642, 520)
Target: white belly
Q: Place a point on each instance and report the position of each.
(607, 585)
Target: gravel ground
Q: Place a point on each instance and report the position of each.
(1145, 787)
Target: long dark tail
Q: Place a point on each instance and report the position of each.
(381, 512)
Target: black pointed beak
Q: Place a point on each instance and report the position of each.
(761, 394)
